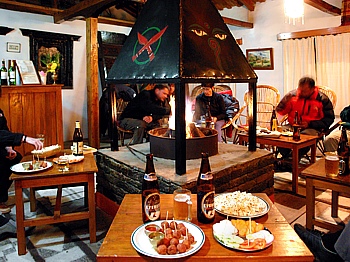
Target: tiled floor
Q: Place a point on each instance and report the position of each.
(70, 241)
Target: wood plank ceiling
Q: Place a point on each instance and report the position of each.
(64, 10)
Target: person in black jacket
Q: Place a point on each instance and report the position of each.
(143, 112)
(209, 100)
(9, 157)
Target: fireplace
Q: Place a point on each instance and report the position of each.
(162, 145)
(173, 41)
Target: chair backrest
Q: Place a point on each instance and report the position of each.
(267, 97)
(330, 93)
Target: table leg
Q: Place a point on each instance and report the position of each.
(21, 238)
(57, 211)
(313, 153)
(92, 210)
(310, 203)
(295, 169)
(335, 202)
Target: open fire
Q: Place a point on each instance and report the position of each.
(198, 139)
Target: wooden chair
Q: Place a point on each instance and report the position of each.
(267, 98)
(120, 106)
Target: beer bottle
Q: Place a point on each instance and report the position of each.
(78, 140)
(150, 192)
(273, 120)
(343, 153)
(208, 117)
(205, 192)
(296, 127)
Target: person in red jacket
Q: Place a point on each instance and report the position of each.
(314, 108)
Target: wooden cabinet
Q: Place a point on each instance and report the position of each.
(34, 109)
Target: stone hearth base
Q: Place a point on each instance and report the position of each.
(234, 168)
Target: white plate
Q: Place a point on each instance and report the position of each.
(18, 168)
(272, 134)
(266, 207)
(269, 238)
(140, 241)
(72, 159)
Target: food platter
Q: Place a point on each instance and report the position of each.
(272, 134)
(263, 236)
(287, 133)
(240, 205)
(141, 243)
(18, 168)
(71, 158)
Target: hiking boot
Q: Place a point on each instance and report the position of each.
(313, 240)
(4, 208)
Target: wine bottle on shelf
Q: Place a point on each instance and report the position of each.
(205, 192)
(78, 140)
(273, 121)
(12, 74)
(343, 153)
(3, 71)
(150, 192)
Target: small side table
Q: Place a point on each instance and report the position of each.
(315, 176)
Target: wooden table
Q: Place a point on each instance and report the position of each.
(315, 176)
(82, 172)
(288, 142)
(116, 246)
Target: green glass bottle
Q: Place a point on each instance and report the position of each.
(12, 74)
(3, 71)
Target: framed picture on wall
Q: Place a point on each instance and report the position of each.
(261, 58)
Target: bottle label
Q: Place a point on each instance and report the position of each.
(12, 74)
(152, 206)
(206, 176)
(77, 148)
(3, 75)
(207, 205)
(150, 177)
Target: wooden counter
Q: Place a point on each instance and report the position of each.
(34, 109)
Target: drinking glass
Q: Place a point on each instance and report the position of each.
(182, 204)
(332, 165)
(63, 163)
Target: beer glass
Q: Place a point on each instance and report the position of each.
(332, 165)
(41, 137)
(63, 163)
(182, 204)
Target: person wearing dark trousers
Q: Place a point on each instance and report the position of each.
(326, 246)
(8, 158)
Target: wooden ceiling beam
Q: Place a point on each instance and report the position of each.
(324, 7)
(29, 8)
(250, 4)
(86, 9)
(234, 22)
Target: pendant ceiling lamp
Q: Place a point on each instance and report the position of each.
(294, 11)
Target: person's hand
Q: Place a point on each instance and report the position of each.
(147, 119)
(35, 142)
(11, 154)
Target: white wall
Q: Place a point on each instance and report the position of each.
(268, 19)
(74, 100)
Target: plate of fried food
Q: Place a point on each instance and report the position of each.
(242, 235)
(169, 239)
(31, 166)
(71, 158)
(240, 205)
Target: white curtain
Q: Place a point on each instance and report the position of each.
(298, 61)
(333, 66)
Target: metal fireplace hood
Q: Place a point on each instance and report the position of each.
(183, 41)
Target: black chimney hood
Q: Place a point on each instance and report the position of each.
(184, 41)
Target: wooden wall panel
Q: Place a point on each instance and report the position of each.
(34, 109)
